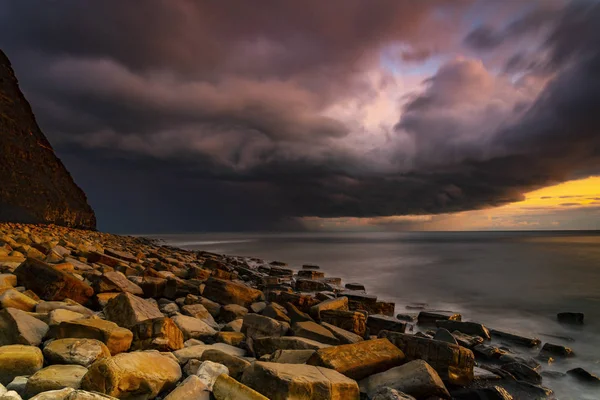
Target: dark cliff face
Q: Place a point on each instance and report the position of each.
(35, 186)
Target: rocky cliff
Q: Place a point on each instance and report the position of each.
(35, 186)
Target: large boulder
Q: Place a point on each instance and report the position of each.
(377, 323)
(227, 388)
(416, 378)
(18, 360)
(359, 360)
(52, 284)
(82, 352)
(160, 334)
(127, 310)
(114, 281)
(229, 292)
(193, 328)
(138, 375)
(268, 345)
(339, 303)
(55, 377)
(117, 339)
(18, 327)
(453, 363)
(299, 382)
(255, 326)
(209, 371)
(200, 312)
(352, 321)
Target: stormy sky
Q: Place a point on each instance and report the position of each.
(183, 115)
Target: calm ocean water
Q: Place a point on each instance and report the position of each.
(514, 281)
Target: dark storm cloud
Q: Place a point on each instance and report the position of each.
(182, 115)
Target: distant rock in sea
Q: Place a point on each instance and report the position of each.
(35, 186)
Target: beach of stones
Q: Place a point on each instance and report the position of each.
(87, 315)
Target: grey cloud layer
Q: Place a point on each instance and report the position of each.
(178, 115)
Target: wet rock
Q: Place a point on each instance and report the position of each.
(235, 365)
(82, 352)
(427, 317)
(377, 323)
(311, 274)
(453, 363)
(523, 372)
(232, 312)
(127, 310)
(312, 330)
(160, 334)
(51, 284)
(570, 318)
(488, 352)
(514, 338)
(484, 375)
(191, 388)
(55, 377)
(491, 393)
(339, 303)
(531, 390)
(115, 282)
(18, 327)
(227, 388)
(416, 378)
(351, 321)
(268, 345)
(209, 371)
(309, 285)
(355, 286)
(310, 266)
(344, 336)
(445, 336)
(550, 350)
(117, 339)
(359, 360)
(584, 376)
(138, 375)
(470, 328)
(228, 292)
(256, 326)
(193, 328)
(287, 381)
(19, 360)
(11, 298)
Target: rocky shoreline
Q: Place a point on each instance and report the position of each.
(86, 315)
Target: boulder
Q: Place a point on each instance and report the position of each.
(55, 377)
(427, 317)
(467, 341)
(8, 281)
(70, 305)
(227, 388)
(359, 360)
(160, 334)
(311, 274)
(377, 323)
(470, 328)
(339, 303)
(523, 373)
(231, 338)
(209, 371)
(344, 336)
(153, 287)
(57, 316)
(453, 363)
(268, 345)
(312, 330)
(570, 318)
(19, 360)
(11, 298)
(127, 310)
(196, 351)
(114, 281)
(137, 375)
(514, 338)
(229, 292)
(82, 352)
(101, 258)
(351, 321)
(18, 327)
(51, 284)
(584, 376)
(117, 339)
(416, 378)
(491, 393)
(445, 336)
(555, 350)
(255, 326)
(387, 393)
(299, 382)
(235, 365)
(190, 389)
(232, 312)
(295, 314)
(309, 285)
(200, 312)
(289, 356)
(193, 328)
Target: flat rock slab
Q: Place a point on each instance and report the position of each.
(117, 339)
(429, 317)
(453, 363)
(18, 327)
(55, 377)
(127, 310)
(377, 323)
(352, 321)
(515, 338)
(470, 328)
(359, 360)
(312, 330)
(299, 382)
(228, 292)
(268, 345)
(82, 352)
(227, 388)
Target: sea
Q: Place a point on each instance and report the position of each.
(514, 281)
